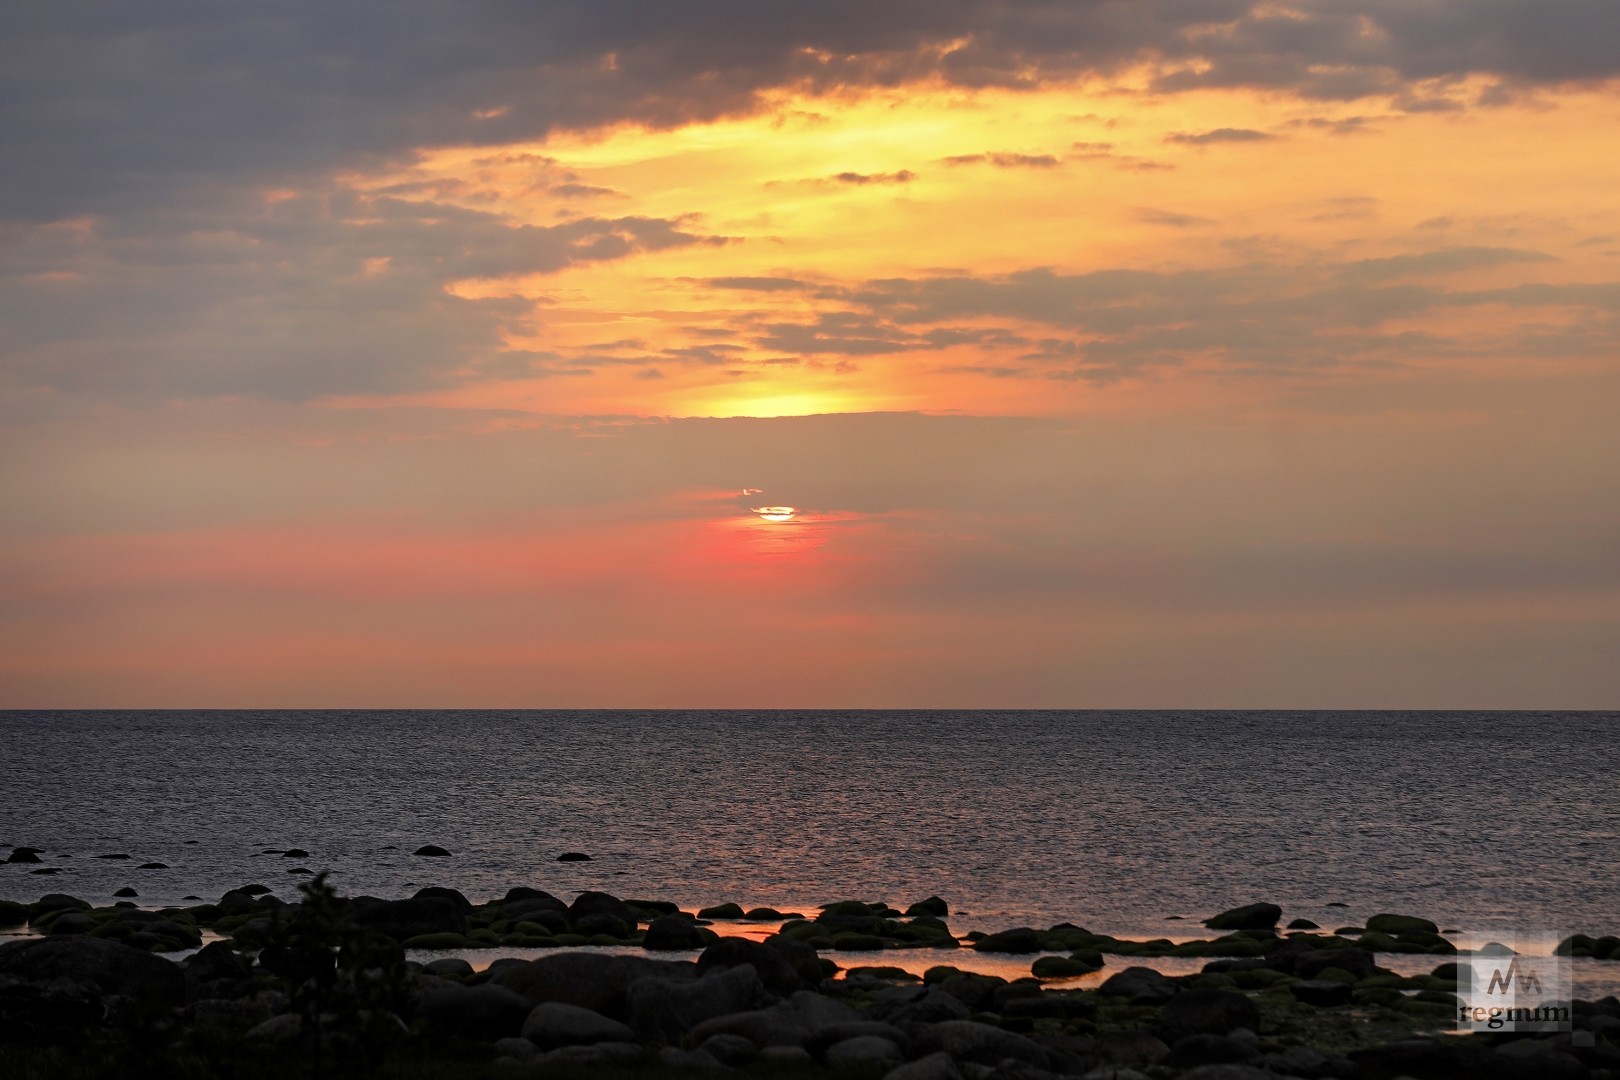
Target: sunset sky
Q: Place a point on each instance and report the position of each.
(1163, 353)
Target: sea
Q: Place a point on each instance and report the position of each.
(1129, 823)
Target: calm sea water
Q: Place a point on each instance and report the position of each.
(1113, 820)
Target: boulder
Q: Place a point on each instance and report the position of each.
(762, 1027)
(126, 891)
(1249, 917)
(1207, 1012)
(824, 1037)
(1323, 993)
(555, 1024)
(863, 1052)
(1195, 1050)
(418, 916)
(800, 955)
(1401, 924)
(1141, 985)
(451, 896)
(665, 1009)
(729, 1049)
(936, 1066)
(1358, 962)
(721, 911)
(775, 971)
(290, 853)
(480, 1013)
(1303, 924)
(573, 856)
(452, 967)
(24, 855)
(582, 1058)
(594, 981)
(671, 932)
(969, 1040)
(429, 850)
(932, 906)
(1023, 939)
(610, 925)
(110, 966)
(216, 970)
(601, 903)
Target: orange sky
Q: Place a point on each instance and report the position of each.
(1110, 357)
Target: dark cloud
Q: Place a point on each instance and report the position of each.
(1151, 216)
(1219, 135)
(760, 284)
(106, 104)
(904, 176)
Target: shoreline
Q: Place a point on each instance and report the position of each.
(1276, 1001)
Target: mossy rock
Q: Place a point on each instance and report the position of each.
(852, 942)
(890, 974)
(939, 973)
(113, 931)
(484, 937)
(721, 911)
(1378, 941)
(1336, 974)
(13, 913)
(1427, 1010)
(1386, 980)
(1061, 967)
(437, 941)
(1378, 995)
(1213, 980)
(528, 941)
(1257, 979)
(1401, 924)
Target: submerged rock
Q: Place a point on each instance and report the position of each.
(432, 850)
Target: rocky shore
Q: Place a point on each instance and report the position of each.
(322, 986)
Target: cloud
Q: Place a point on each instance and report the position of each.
(1004, 160)
(760, 284)
(1219, 135)
(1151, 216)
(904, 176)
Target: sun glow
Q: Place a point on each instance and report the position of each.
(776, 513)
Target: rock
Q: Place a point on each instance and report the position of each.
(775, 971)
(1445, 1057)
(1358, 962)
(481, 1013)
(430, 850)
(729, 1049)
(1141, 985)
(126, 891)
(1323, 993)
(213, 970)
(762, 1027)
(1130, 1049)
(295, 853)
(453, 967)
(863, 1052)
(689, 1060)
(1401, 924)
(801, 956)
(594, 981)
(110, 966)
(815, 1011)
(931, 1006)
(764, 914)
(612, 926)
(153, 866)
(936, 1066)
(555, 1024)
(1227, 1072)
(523, 893)
(1197, 1050)
(405, 919)
(669, 932)
(1060, 967)
(601, 903)
(73, 922)
(603, 1053)
(932, 906)
(573, 856)
(1020, 940)
(450, 896)
(1249, 917)
(969, 1040)
(721, 911)
(516, 1049)
(665, 1009)
(13, 913)
(786, 1058)
(1207, 1012)
(114, 855)
(47, 870)
(1303, 924)
(824, 1037)
(24, 855)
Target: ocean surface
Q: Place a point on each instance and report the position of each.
(1117, 821)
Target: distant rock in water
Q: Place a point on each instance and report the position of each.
(295, 853)
(433, 850)
(571, 856)
(47, 870)
(126, 891)
(115, 855)
(153, 866)
(300, 870)
(932, 906)
(1303, 924)
(1248, 917)
(24, 855)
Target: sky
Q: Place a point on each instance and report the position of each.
(959, 353)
